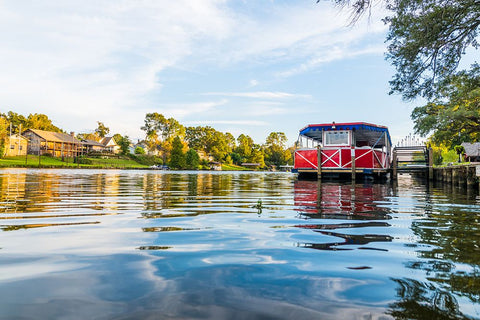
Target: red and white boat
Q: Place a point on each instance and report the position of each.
(359, 147)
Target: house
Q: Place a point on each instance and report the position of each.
(110, 145)
(472, 151)
(216, 166)
(15, 145)
(140, 144)
(92, 146)
(204, 156)
(56, 144)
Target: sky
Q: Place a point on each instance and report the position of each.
(240, 66)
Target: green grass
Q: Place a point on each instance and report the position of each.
(50, 162)
(117, 163)
(232, 167)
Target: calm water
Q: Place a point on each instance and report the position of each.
(86, 244)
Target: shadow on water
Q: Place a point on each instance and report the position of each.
(315, 200)
(422, 300)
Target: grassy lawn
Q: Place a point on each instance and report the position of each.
(33, 161)
(232, 167)
(116, 163)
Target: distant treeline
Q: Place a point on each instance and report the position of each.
(170, 142)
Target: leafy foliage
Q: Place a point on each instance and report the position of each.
(211, 141)
(426, 41)
(275, 149)
(177, 159)
(454, 117)
(139, 150)
(33, 121)
(160, 133)
(192, 159)
(124, 143)
(3, 134)
(101, 130)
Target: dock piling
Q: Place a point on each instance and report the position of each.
(354, 170)
(319, 162)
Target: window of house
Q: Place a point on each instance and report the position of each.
(12, 146)
(337, 138)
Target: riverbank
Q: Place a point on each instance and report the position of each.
(32, 161)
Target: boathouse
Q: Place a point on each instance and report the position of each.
(343, 148)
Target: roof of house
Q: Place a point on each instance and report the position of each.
(472, 149)
(92, 143)
(105, 141)
(54, 136)
(16, 136)
(364, 131)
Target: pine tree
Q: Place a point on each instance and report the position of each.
(177, 158)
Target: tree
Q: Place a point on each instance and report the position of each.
(211, 141)
(192, 159)
(41, 122)
(275, 149)
(87, 136)
(102, 130)
(245, 147)
(17, 121)
(139, 150)
(427, 40)
(4, 129)
(454, 116)
(460, 150)
(161, 131)
(258, 155)
(177, 158)
(124, 143)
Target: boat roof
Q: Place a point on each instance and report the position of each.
(363, 131)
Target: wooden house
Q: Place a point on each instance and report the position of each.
(56, 144)
(92, 146)
(16, 145)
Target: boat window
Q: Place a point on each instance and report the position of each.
(336, 138)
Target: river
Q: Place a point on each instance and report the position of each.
(113, 244)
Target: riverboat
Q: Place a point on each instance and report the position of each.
(339, 149)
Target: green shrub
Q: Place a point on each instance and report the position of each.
(147, 160)
(83, 160)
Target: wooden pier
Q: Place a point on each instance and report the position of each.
(418, 160)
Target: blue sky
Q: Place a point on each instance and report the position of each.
(251, 66)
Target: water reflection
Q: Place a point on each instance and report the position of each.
(419, 300)
(317, 200)
(145, 244)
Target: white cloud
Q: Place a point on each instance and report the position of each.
(101, 60)
(334, 54)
